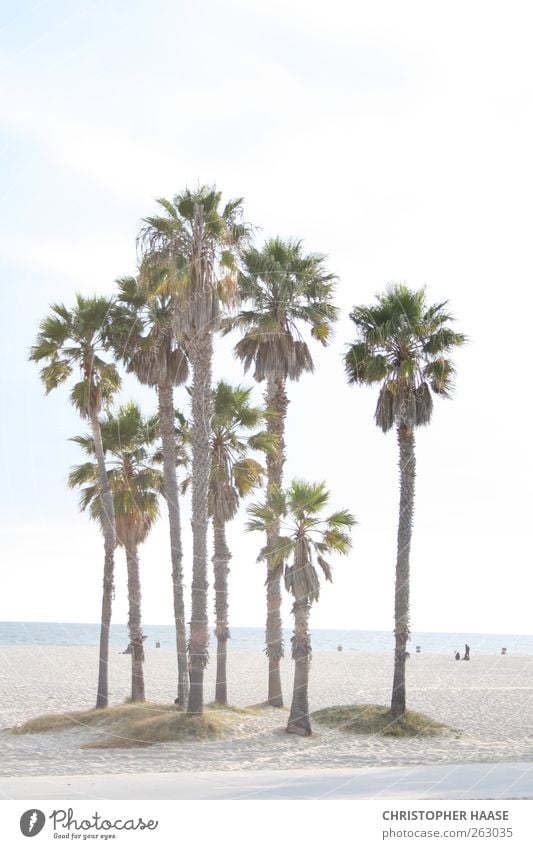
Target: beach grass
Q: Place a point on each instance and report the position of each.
(132, 725)
(377, 719)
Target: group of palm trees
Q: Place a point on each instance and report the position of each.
(198, 275)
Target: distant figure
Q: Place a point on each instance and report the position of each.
(457, 655)
(189, 669)
(406, 655)
(467, 652)
(129, 650)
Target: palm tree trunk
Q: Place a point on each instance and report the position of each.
(299, 722)
(221, 560)
(201, 352)
(108, 526)
(406, 442)
(135, 624)
(277, 402)
(165, 395)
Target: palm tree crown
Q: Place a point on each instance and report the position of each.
(233, 473)
(143, 334)
(403, 344)
(76, 338)
(305, 536)
(285, 288)
(135, 482)
(190, 250)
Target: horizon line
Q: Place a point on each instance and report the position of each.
(356, 630)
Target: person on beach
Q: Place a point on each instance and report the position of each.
(189, 667)
(457, 655)
(467, 652)
(129, 650)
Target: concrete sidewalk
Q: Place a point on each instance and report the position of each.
(461, 781)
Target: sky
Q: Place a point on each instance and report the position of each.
(394, 137)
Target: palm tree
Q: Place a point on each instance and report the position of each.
(136, 485)
(192, 245)
(73, 341)
(144, 338)
(234, 475)
(285, 289)
(305, 538)
(404, 345)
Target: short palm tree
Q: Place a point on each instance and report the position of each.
(144, 339)
(284, 290)
(403, 344)
(136, 485)
(305, 539)
(192, 246)
(234, 474)
(73, 341)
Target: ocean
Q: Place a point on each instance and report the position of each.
(80, 634)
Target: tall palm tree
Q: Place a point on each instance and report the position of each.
(234, 474)
(136, 485)
(193, 245)
(73, 341)
(304, 540)
(284, 289)
(144, 338)
(403, 344)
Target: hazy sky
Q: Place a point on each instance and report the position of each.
(395, 137)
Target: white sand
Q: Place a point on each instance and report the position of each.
(489, 700)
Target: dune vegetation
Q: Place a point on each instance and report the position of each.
(136, 724)
(377, 719)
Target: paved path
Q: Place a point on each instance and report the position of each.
(465, 781)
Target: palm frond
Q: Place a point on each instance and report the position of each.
(278, 553)
(341, 519)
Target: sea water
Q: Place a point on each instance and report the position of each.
(81, 634)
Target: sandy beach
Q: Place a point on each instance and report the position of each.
(489, 701)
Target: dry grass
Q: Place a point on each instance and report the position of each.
(377, 719)
(78, 719)
(139, 724)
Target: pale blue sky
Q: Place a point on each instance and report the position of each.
(396, 138)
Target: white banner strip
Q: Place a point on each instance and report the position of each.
(268, 825)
